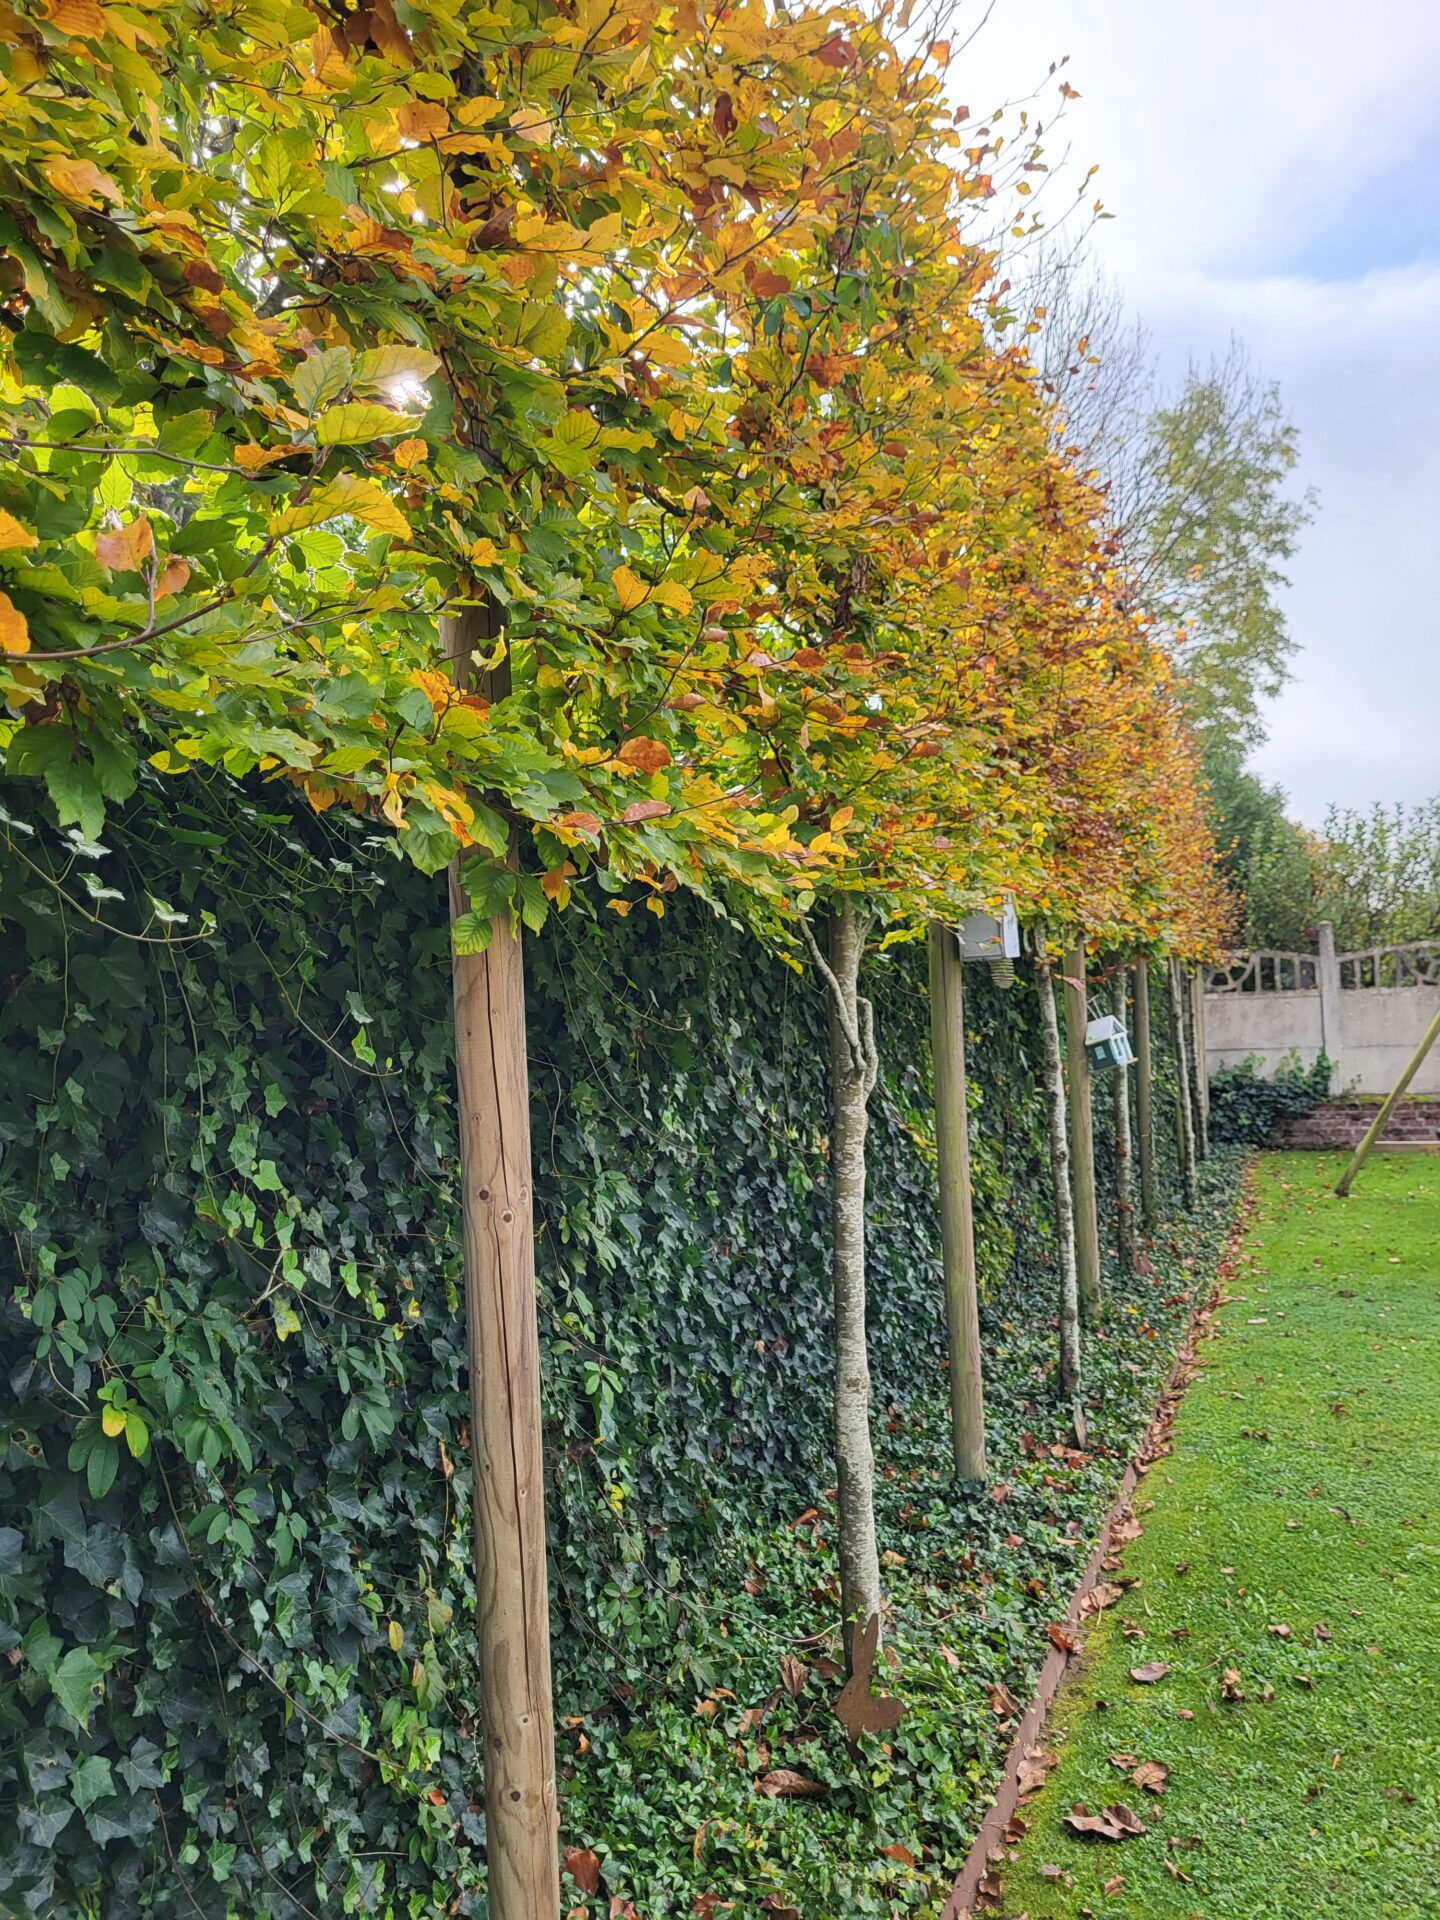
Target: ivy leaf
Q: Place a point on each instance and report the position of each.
(74, 1681)
(91, 1780)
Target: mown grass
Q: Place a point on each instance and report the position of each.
(1303, 1492)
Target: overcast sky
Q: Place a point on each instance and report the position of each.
(1274, 170)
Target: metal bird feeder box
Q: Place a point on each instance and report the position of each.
(1107, 1044)
(983, 936)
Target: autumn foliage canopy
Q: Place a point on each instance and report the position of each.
(656, 330)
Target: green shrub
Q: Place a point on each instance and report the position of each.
(1246, 1109)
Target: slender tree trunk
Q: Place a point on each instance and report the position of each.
(1145, 1098)
(511, 1584)
(1055, 1104)
(1201, 1075)
(957, 1224)
(1124, 1170)
(853, 1068)
(1184, 1109)
(1082, 1134)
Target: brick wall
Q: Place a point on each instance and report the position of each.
(1342, 1124)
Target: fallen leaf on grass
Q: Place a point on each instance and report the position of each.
(783, 1784)
(1150, 1672)
(1230, 1687)
(1034, 1765)
(1102, 1596)
(1280, 1631)
(1151, 1775)
(1112, 1823)
(1124, 1761)
(1177, 1873)
(1114, 1883)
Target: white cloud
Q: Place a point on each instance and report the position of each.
(1234, 142)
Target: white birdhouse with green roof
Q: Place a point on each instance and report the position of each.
(1107, 1044)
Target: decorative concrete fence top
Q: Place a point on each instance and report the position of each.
(1366, 1010)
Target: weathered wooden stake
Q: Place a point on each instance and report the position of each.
(1082, 1134)
(1055, 1103)
(1201, 1072)
(511, 1582)
(1145, 1098)
(957, 1224)
(1184, 1110)
(1387, 1107)
(1124, 1177)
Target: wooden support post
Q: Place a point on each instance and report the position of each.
(1064, 1200)
(1124, 1164)
(1184, 1112)
(1199, 1085)
(957, 1224)
(1388, 1106)
(511, 1582)
(1082, 1134)
(1145, 1098)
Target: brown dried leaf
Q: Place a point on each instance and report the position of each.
(793, 1675)
(1150, 1672)
(583, 1867)
(1061, 1637)
(1102, 1596)
(1230, 1687)
(784, 1784)
(1114, 1883)
(1003, 1703)
(1151, 1775)
(1113, 1823)
(898, 1852)
(1124, 1761)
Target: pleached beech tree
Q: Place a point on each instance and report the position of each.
(570, 437)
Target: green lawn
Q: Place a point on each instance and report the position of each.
(1303, 1493)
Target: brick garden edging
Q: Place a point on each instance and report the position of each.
(974, 1882)
(1340, 1125)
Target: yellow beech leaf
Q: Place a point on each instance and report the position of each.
(81, 180)
(123, 548)
(112, 1422)
(410, 453)
(349, 493)
(385, 366)
(671, 594)
(646, 756)
(81, 17)
(250, 456)
(630, 589)
(422, 119)
(483, 553)
(12, 534)
(396, 1636)
(357, 422)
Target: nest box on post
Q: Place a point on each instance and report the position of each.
(984, 936)
(1107, 1044)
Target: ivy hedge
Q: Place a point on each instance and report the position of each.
(234, 1594)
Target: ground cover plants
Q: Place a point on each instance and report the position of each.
(1285, 1578)
(247, 1664)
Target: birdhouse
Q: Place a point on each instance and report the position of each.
(984, 936)
(1107, 1044)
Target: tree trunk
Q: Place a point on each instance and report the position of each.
(1060, 1178)
(1124, 1173)
(1082, 1134)
(1184, 1110)
(511, 1584)
(957, 1225)
(1145, 1098)
(853, 1068)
